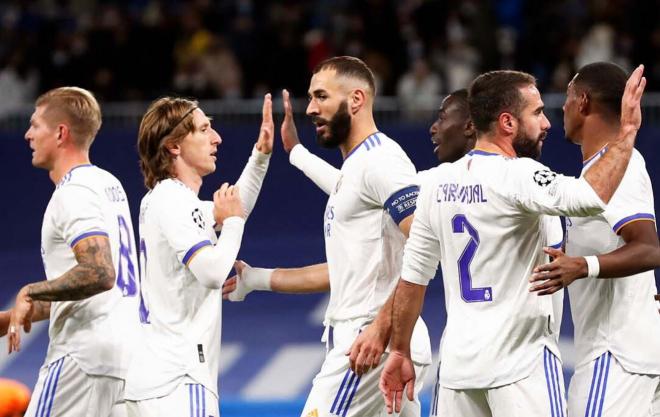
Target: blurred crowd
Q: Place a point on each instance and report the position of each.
(419, 49)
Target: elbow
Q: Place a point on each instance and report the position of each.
(106, 279)
(213, 284)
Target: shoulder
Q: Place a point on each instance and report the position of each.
(385, 154)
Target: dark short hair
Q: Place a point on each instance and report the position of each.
(461, 98)
(167, 121)
(494, 93)
(604, 82)
(349, 66)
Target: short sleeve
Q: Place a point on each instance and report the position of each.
(390, 181)
(423, 250)
(79, 214)
(554, 233)
(183, 221)
(633, 200)
(535, 188)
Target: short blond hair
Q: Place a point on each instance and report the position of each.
(76, 106)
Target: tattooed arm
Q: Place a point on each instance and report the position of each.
(94, 274)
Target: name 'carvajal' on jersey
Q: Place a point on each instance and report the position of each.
(459, 193)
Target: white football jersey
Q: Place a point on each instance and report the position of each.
(482, 217)
(181, 317)
(377, 187)
(96, 332)
(362, 242)
(618, 315)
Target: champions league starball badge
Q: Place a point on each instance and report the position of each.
(544, 177)
(198, 218)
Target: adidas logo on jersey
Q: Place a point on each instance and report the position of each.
(313, 413)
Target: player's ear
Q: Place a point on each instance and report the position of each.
(507, 122)
(63, 134)
(173, 148)
(356, 100)
(468, 129)
(584, 103)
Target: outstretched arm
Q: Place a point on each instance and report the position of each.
(324, 175)
(253, 174)
(640, 253)
(606, 174)
(304, 280)
(93, 274)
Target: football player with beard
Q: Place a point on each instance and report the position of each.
(366, 222)
(482, 217)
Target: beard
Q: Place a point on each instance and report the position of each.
(526, 146)
(337, 130)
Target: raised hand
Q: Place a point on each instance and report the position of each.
(631, 109)
(227, 203)
(288, 129)
(398, 374)
(367, 349)
(267, 129)
(558, 274)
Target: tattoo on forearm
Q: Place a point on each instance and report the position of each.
(94, 274)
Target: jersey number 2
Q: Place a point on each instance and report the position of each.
(460, 224)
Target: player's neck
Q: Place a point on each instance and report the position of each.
(66, 163)
(359, 132)
(595, 135)
(191, 179)
(495, 144)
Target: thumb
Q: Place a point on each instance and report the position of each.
(410, 390)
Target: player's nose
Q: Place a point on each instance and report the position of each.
(312, 108)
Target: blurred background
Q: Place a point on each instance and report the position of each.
(228, 54)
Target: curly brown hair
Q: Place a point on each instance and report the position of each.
(167, 122)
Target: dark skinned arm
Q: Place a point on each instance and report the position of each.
(641, 252)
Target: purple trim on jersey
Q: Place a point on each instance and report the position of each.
(480, 152)
(591, 388)
(558, 393)
(341, 388)
(194, 250)
(550, 382)
(557, 245)
(361, 143)
(350, 399)
(436, 390)
(44, 390)
(402, 203)
(203, 401)
(58, 365)
(343, 398)
(190, 399)
(602, 379)
(197, 395)
(638, 216)
(607, 375)
(88, 234)
(597, 154)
